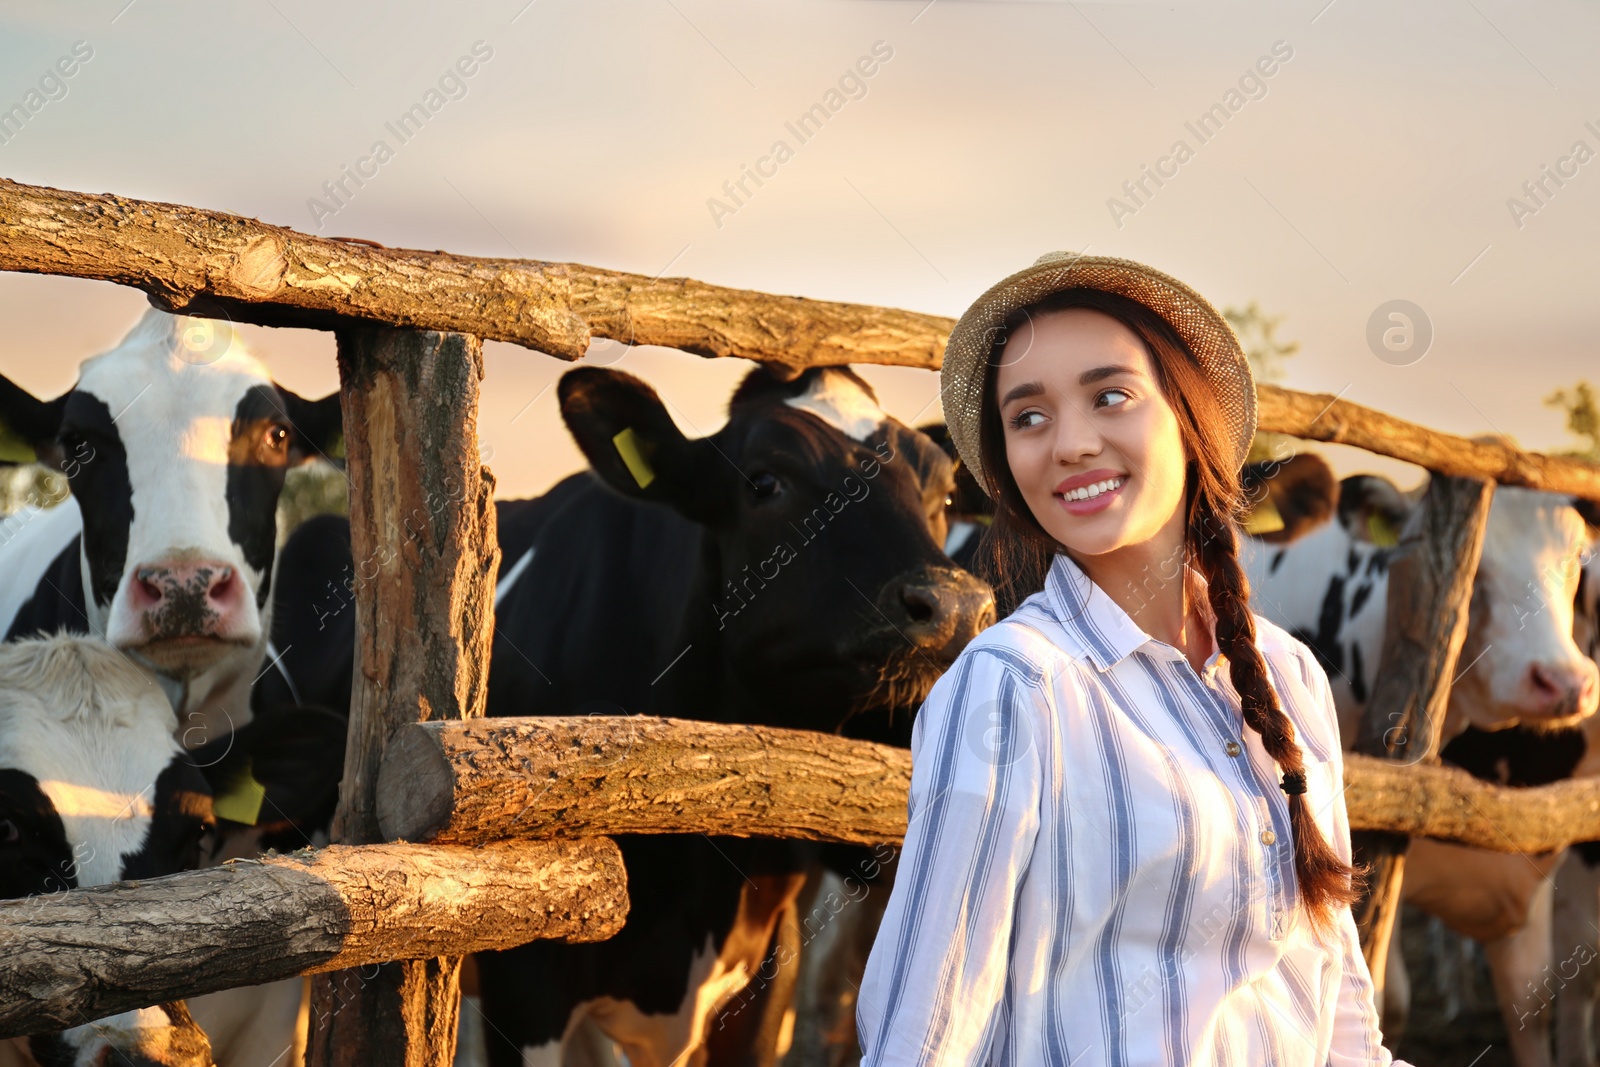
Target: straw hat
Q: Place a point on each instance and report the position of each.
(1205, 331)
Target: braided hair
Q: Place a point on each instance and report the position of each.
(1016, 553)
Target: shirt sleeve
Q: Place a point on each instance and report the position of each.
(934, 988)
(1357, 1038)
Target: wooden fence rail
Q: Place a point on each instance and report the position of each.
(88, 953)
(91, 953)
(210, 262)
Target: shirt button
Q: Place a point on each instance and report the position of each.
(1268, 837)
(1232, 748)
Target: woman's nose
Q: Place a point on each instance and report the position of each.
(1076, 439)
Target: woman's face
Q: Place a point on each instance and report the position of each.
(1090, 438)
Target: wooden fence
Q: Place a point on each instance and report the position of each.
(508, 819)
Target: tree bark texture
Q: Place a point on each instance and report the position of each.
(1430, 591)
(90, 953)
(541, 777)
(211, 263)
(422, 533)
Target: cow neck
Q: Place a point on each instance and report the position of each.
(700, 685)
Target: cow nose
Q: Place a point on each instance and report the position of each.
(1560, 690)
(194, 598)
(943, 608)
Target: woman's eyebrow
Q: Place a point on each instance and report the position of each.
(1025, 389)
(1089, 377)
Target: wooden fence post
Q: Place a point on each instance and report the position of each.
(422, 530)
(1430, 590)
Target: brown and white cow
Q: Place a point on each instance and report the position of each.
(1522, 667)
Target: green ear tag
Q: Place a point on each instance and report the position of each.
(241, 801)
(1263, 518)
(628, 449)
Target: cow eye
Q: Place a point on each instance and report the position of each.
(277, 437)
(950, 500)
(9, 834)
(765, 484)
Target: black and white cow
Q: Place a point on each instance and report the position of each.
(94, 789)
(786, 570)
(1522, 666)
(175, 444)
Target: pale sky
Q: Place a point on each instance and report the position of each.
(1376, 163)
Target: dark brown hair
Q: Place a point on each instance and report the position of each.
(1016, 554)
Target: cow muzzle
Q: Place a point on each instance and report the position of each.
(1558, 694)
(938, 609)
(184, 615)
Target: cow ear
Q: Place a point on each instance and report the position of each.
(283, 767)
(1373, 509)
(633, 445)
(28, 425)
(318, 428)
(1287, 499)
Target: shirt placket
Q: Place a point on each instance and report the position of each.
(1270, 820)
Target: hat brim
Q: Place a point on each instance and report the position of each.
(1199, 324)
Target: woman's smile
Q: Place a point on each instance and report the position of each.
(1088, 493)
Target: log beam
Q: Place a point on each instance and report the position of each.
(422, 530)
(91, 953)
(212, 263)
(470, 782)
(1319, 417)
(542, 777)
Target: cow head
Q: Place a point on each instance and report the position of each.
(824, 518)
(93, 789)
(175, 444)
(1519, 661)
(1528, 667)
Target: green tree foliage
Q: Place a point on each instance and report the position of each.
(1258, 336)
(316, 488)
(30, 485)
(1583, 418)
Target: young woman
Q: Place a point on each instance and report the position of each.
(1128, 842)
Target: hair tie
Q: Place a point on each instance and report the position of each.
(1294, 782)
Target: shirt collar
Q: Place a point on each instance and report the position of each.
(1105, 633)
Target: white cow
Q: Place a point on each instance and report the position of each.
(94, 789)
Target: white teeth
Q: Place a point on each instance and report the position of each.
(1089, 492)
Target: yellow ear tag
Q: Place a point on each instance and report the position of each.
(13, 449)
(628, 449)
(241, 801)
(1263, 518)
(1381, 532)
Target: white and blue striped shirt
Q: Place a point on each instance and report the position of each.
(1098, 866)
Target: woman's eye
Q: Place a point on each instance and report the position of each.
(764, 484)
(1023, 419)
(1112, 397)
